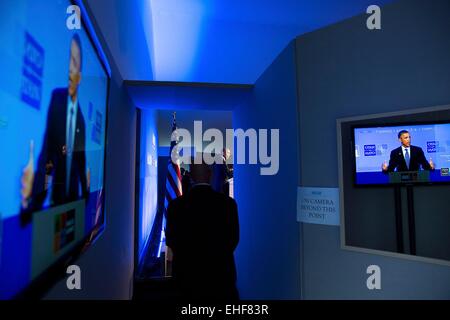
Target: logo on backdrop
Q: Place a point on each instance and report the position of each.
(370, 150)
(374, 150)
(432, 146)
(32, 72)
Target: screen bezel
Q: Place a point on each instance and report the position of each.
(38, 287)
(393, 124)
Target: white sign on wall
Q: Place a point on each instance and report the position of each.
(318, 205)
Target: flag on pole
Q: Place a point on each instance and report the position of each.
(173, 185)
(173, 180)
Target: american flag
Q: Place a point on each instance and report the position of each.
(173, 183)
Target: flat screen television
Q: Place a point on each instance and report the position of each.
(53, 112)
(402, 153)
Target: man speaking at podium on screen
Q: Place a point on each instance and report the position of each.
(63, 156)
(407, 157)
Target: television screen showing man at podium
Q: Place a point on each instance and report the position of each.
(53, 115)
(404, 154)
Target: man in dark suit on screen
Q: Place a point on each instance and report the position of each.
(203, 232)
(62, 159)
(407, 157)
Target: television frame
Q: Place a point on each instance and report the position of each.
(369, 117)
(38, 287)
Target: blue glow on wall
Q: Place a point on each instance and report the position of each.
(225, 41)
(126, 27)
(148, 178)
(176, 37)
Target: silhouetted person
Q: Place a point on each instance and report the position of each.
(222, 172)
(203, 232)
(185, 180)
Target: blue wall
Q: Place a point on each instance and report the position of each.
(148, 177)
(267, 257)
(346, 70)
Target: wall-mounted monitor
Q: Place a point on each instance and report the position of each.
(53, 111)
(407, 153)
(403, 216)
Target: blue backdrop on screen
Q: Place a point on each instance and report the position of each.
(34, 60)
(373, 146)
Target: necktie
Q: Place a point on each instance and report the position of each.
(69, 149)
(407, 157)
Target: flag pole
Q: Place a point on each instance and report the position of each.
(168, 257)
